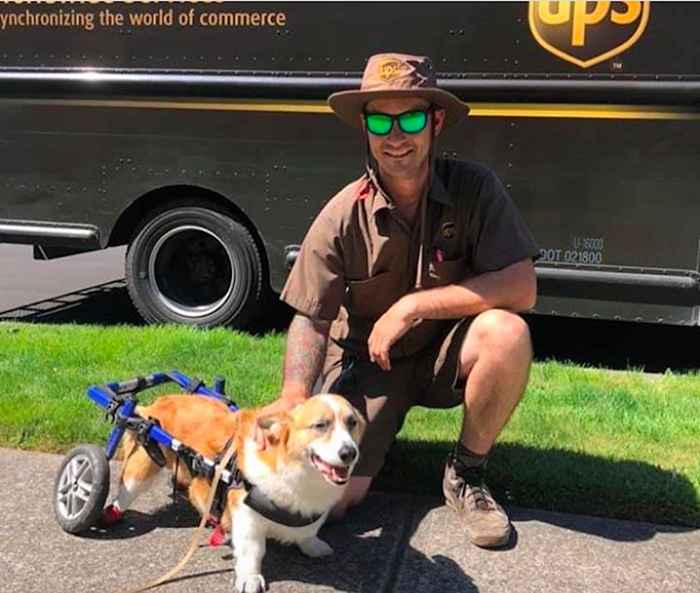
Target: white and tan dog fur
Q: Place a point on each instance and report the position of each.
(306, 462)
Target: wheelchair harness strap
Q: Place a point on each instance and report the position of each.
(198, 465)
(256, 498)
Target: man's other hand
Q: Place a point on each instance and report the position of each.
(388, 329)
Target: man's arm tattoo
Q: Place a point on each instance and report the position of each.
(306, 350)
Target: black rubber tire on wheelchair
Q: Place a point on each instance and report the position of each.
(195, 265)
(81, 488)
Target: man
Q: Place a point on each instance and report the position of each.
(407, 288)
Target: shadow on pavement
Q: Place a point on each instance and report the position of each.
(103, 304)
(368, 540)
(382, 528)
(109, 304)
(180, 514)
(560, 480)
(376, 535)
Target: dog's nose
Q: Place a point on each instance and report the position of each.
(347, 454)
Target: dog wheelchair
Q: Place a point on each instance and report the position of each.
(83, 481)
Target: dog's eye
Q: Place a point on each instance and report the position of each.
(323, 425)
(351, 422)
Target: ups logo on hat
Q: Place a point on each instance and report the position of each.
(587, 33)
(391, 69)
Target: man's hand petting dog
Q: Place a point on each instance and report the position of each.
(281, 405)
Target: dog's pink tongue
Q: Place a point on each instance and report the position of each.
(339, 474)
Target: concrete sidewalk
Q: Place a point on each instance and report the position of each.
(391, 544)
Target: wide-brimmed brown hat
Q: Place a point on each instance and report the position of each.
(394, 76)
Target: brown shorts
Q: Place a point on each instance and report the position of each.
(429, 378)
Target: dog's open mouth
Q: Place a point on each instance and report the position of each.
(337, 475)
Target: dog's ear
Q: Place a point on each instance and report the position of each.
(272, 428)
(361, 425)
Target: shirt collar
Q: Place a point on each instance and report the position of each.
(437, 193)
(381, 200)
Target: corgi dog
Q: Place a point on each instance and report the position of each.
(290, 483)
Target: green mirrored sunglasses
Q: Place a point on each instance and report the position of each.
(410, 122)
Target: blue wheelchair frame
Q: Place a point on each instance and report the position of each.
(119, 401)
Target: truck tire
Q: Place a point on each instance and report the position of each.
(196, 266)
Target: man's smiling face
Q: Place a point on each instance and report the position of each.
(399, 154)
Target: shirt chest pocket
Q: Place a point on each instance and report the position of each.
(370, 298)
(442, 273)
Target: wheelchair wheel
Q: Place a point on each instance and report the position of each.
(81, 488)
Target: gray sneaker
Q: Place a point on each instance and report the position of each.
(485, 520)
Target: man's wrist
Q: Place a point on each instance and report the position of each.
(294, 393)
(408, 307)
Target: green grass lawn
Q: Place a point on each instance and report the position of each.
(620, 444)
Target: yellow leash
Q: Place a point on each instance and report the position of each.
(220, 467)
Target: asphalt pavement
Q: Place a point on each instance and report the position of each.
(24, 280)
(390, 544)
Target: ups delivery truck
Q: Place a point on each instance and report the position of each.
(197, 133)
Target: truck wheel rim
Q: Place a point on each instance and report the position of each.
(75, 487)
(191, 271)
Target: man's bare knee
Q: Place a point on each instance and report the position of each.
(497, 332)
(500, 327)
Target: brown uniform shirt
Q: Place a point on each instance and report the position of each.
(359, 256)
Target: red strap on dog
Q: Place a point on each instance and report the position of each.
(217, 537)
(111, 515)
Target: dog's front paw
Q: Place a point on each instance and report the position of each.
(252, 583)
(315, 547)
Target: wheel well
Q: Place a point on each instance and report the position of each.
(158, 199)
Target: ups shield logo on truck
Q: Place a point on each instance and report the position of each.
(587, 33)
